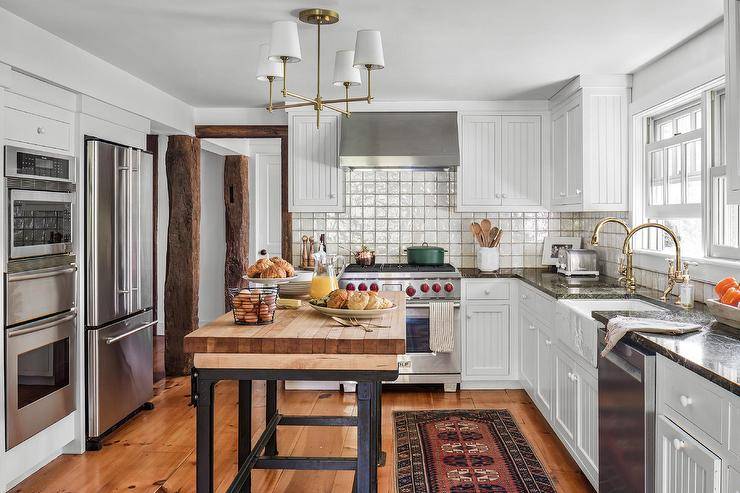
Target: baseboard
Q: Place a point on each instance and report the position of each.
(490, 384)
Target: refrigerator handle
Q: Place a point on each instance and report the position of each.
(129, 229)
(121, 206)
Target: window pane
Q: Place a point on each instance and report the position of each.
(692, 150)
(688, 231)
(665, 130)
(683, 124)
(697, 120)
(725, 218)
(675, 176)
(656, 177)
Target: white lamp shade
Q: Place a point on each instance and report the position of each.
(284, 42)
(344, 71)
(369, 50)
(266, 67)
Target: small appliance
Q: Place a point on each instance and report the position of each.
(577, 262)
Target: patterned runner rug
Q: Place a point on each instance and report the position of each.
(465, 451)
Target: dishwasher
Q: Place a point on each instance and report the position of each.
(626, 419)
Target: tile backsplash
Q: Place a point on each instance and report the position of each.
(390, 210)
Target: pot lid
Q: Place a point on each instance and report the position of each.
(425, 246)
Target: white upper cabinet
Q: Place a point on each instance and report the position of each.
(589, 124)
(732, 68)
(501, 162)
(315, 179)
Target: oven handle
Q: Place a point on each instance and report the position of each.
(41, 273)
(455, 304)
(44, 324)
(111, 340)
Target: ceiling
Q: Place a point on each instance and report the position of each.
(205, 52)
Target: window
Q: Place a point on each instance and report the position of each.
(684, 179)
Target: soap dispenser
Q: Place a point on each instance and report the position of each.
(686, 290)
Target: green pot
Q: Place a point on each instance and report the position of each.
(425, 255)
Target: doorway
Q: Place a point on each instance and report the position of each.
(268, 202)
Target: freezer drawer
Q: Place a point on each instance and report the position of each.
(40, 292)
(119, 371)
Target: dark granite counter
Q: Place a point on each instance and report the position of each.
(713, 352)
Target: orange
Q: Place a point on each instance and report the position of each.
(725, 284)
(731, 297)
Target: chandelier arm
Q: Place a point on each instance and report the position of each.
(282, 106)
(298, 96)
(345, 100)
(337, 109)
(270, 79)
(369, 96)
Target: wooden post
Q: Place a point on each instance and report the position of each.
(183, 250)
(236, 201)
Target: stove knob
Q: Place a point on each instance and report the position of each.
(362, 286)
(350, 287)
(425, 288)
(449, 287)
(374, 287)
(436, 287)
(410, 291)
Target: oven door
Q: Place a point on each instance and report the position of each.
(34, 293)
(40, 223)
(419, 359)
(39, 380)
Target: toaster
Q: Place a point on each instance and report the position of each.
(578, 262)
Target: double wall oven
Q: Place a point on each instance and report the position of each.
(40, 292)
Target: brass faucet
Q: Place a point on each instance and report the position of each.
(625, 269)
(675, 271)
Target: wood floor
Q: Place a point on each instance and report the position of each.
(154, 451)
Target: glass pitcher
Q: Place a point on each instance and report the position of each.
(324, 279)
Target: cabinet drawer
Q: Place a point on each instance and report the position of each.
(689, 396)
(30, 128)
(534, 301)
(487, 290)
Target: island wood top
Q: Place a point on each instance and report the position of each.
(303, 331)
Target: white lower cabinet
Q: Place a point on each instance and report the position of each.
(587, 415)
(487, 336)
(682, 463)
(545, 378)
(565, 413)
(528, 351)
(733, 480)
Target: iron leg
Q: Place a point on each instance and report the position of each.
(270, 411)
(366, 474)
(204, 435)
(244, 437)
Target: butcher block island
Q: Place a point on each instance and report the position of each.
(300, 344)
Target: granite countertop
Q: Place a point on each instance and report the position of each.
(713, 352)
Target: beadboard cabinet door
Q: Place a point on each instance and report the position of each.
(487, 340)
(587, 434)
(480, 160)
(520, 177)
(545, 374)
(565, 413)
(315, 179)
(567, 167)
(682, 463)
(528, 351)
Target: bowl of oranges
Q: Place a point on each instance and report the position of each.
(726, 308)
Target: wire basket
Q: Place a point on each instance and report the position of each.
(253, 306)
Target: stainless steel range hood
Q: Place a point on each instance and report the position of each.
(400, 140)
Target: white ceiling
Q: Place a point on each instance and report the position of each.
(205, 52)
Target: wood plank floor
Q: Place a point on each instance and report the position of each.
(154, 451)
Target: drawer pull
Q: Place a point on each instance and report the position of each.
(40, 130)
(678, 444)
(685, 401)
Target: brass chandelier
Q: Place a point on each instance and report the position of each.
(284, 48)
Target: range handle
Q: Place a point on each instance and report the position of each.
(41, 273)
(42, 324)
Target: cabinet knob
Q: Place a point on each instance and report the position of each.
(572, 376)
(548, 342)
(41, 130)
(685, 400)
(531, 327)
(487, 291)
(562, 194)
(524, 296)
(578, 191)
(469, 316)
(498, 195)
(332, 195)
(678, 444)
(503, 195)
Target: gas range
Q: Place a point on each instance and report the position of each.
(419, 282)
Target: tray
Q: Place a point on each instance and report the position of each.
(728, 315)
(345, 313)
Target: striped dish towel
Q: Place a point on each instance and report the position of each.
(441, 326)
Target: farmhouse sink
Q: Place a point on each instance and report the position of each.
(585, 307)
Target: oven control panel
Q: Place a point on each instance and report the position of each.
(424, 289)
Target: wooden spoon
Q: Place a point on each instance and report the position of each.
(477, 233)
(485, 226)
(492, 237)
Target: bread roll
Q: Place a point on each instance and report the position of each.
(374, 301)
(337, 298)
(358, 300)
(284, 264)
(273, 272)
(253, 271)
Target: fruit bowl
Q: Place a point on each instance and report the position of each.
(727, 314)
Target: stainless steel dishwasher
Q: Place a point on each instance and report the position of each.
(626, 419)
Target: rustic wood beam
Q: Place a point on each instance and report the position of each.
(261, 132)
(236, 202)
(241, 131)
(183, 250)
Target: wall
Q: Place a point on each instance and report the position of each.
(389, 210)
(689, 65)
(212, 237)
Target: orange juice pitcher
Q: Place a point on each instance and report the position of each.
(324, 275)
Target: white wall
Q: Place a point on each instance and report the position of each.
(163, 214)
(212, 237)
(689, 65)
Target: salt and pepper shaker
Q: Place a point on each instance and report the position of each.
(311, 251)
(304, 252)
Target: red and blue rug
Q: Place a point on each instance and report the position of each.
(465, 451)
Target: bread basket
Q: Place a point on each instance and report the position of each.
(253, 306)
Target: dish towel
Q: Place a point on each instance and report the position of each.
(441, 326)
(619, 326)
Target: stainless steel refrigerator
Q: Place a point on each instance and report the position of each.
(119, 284)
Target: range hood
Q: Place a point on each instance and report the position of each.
(400, 140)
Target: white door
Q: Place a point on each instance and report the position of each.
(520, 171)
(545, 372)
(481, 156)
(528, 351)
(683, 464)
(587, 435)
(574, 192)
(559, 158)
(566, 388)
(268, 225)
(486, 351)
